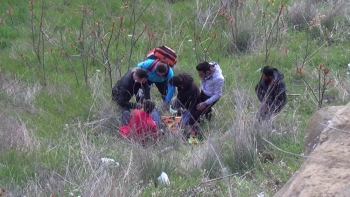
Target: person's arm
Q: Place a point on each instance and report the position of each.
(171, 89)
(218, 91)
(125, 103)
(154, 132)
(271, 94)
(281, 97)
(121, 98)
(147, 90)
(258, 92)
(189, 98)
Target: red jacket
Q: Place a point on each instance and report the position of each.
(141, 125)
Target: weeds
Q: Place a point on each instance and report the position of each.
(54, 134)
(322, 82)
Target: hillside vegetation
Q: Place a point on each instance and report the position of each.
(59, 60)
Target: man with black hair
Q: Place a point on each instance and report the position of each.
(187, 94)
(212, 82)
(271, 92)
(128, 86)
(140, 126)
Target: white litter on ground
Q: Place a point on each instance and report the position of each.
(164, 179)
(109, 161)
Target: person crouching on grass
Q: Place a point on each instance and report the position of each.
(212, 82)
(140, 126)
(271, 92)
(187, 97)
(128, 86)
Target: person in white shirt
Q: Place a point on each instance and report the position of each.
(212, 82)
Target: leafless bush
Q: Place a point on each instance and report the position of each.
(45, 182)
(103, 106)
(103, 112)
(301, 13)
(325, 17)
(233, 144)
(20, 93)
(14, 134)
(338, 92)
(243, 134)
(247, 24)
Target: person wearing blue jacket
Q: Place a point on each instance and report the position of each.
(159, 74)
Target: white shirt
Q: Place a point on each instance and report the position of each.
(212, 85)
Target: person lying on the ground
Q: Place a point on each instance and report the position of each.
(139, 125)
(129, 85)
(271, 92)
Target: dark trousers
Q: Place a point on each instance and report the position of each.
(196, 114)
(125, 118)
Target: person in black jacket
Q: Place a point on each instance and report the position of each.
(132, 83)
(271, 92)
(187, 99)
(187, 91)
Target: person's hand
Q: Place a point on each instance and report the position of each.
(202, 106)
(165, 106)
(138, 105)
(180, 110)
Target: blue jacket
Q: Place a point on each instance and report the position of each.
(155, 78)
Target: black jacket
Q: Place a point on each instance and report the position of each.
(125, 88)
(188, 95)
(272, 93)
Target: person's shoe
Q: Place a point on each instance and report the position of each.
(193, 140)
(208, 116)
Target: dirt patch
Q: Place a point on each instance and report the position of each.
(326, 171)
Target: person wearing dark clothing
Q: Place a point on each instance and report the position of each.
(129, 85)
(271, 92)
(187, 95)
(187, 91)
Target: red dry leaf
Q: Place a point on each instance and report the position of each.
(325, 70)
(299, 70)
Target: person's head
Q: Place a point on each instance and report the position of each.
(162, 68)
(140, 75)
(204, 69)
(176, 81)
(267, 73)
(148, 106)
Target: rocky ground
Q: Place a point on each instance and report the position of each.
(326, 171)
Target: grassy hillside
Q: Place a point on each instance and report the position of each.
(59, 60)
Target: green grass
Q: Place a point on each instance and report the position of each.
(72, 123)
(16, 167)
